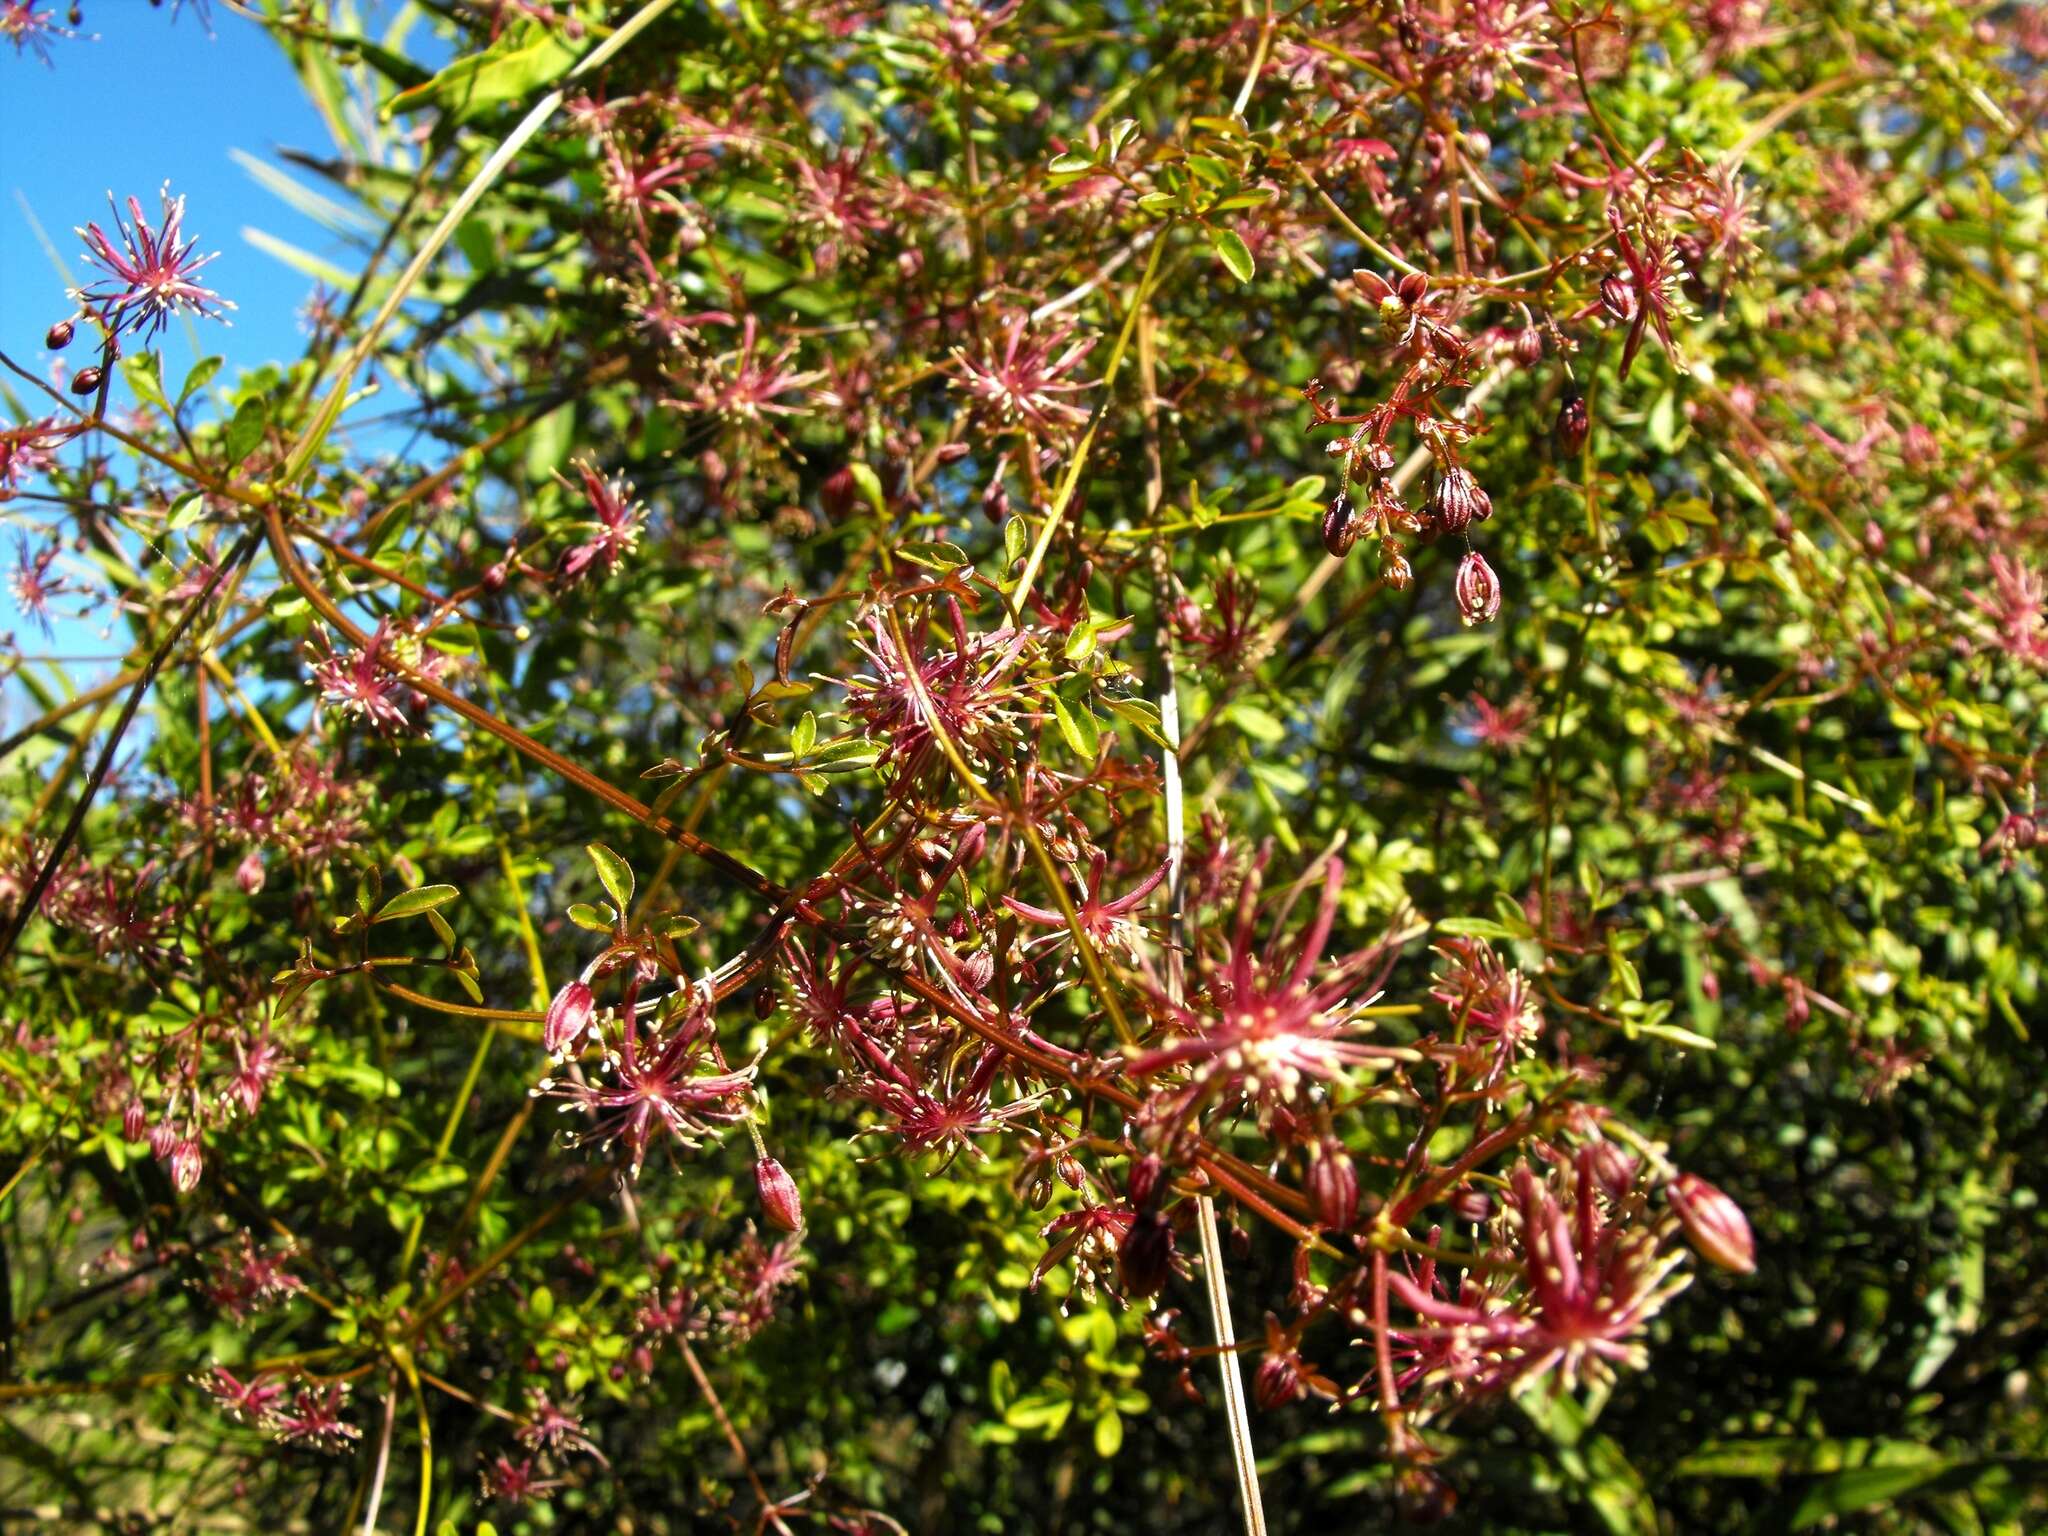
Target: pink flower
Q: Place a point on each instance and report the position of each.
(1023, 382)
(615, 527)
(1264, 1027)
(150, 275)
(314, 1418)
(1108, 924)
(29, 28)
(652, 1082)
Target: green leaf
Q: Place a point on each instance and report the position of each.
(805, 736)
(245, 431)
(1070, 164)
(412, 903)
(1109, 1434)
(1080, 728)
(614, 874)
(1234, 253)
(510, 70)
(201, 375)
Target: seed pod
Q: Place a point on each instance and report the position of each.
(58, 337)
(781, 1206)
(1714, 1224)
(85, 381)
(569, 1015)
(1478, 589)
(1146, 1256)
(1574, 423)
(837, 493)
(1340, 527)
(134, 1120)
(1529, 346)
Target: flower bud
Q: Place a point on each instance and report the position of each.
(1458, 500)
(185, 1164)
(134, 1120)
(1147, 1182)
(1146, 1256)
(1614, 1170)
(1395, 570)
(1473, 1205)
(1528, 346)
(1617, 298)
(1478, 589)
(249, 873)
(837, 494)
(1340, 527)
(569, 1015)
(1277, 1383)
(1333, 1186)
(1574, 422)
(781, 1206)
(85, 381)
(163, 1139)
(1714, 1224)
(58, 337)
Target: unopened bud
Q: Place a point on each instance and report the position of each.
(781, 1206)
(1714, 1224)
(1146, 1257)
(1574, 422)
(1340, 527)
(1617, 298)
(85, 381)
(1147, 1182)
(134, 1120)
(569, 1015)
(1277, 1383)
(1614, 1170)
(1459, 501)
(1333, 1185)
(1478, 589)
(1473, 1205)
(185, 1164)
(58, 337)
(249, 873)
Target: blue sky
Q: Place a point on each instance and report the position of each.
(150, 99)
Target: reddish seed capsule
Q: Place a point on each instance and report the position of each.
(569, 1015)
(1617, 298)
(1714, 1224)
(134, 1120)
(1478, 589)
(58, 337)
(781, 1206)
(1574, 423)
(1529, 346)
(85, 381)
(1146, 1257)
